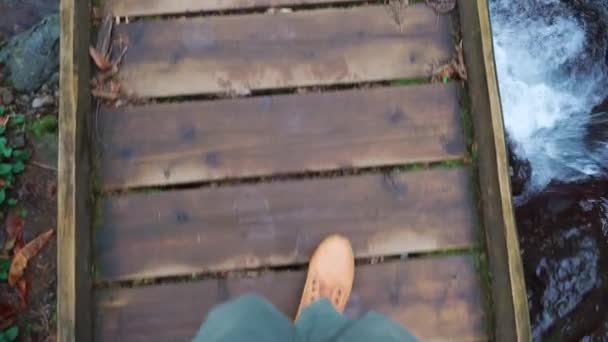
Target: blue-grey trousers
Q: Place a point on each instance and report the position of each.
(252, 318)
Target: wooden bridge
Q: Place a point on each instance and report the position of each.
(255, 128)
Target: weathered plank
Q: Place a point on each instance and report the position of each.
(181, 232)
(160, 7)
(280, 134)
(512, 321)
(437, 299)
(252, 52)
(74, 208)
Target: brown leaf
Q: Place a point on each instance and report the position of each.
(102, 62)
(4, 120)
(22, 287)
(14, 230)
(21, 257)
(7, 315)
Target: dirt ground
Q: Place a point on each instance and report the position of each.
(36, 194)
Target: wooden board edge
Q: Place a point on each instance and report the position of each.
(511, 316)
(74, 292)
(123, 9)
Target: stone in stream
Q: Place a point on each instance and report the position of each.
(520, 171)
(32, 57)
(564, 240)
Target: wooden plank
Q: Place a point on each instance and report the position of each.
(238, 54)
(181, 232)
(131, 8)
(74, 321)
(512, 319)
(437, 299)
(201, 141)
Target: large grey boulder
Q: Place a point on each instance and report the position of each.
(32, 57)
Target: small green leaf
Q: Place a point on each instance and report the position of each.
(10, 334)
(21, 155)
(18, 167)
(5, 266)
(18, 119)
(12, 202)
(2, 129)
(2, 196)
(2, 110)
(23, 213)
(446, 79)
(7, 152)
(5, 169)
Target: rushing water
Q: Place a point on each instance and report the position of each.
(552, 63)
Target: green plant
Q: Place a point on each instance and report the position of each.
(46, 124)
(9, 335)
(12, 160)
(5, 265)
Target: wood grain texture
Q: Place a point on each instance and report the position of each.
(199, 141)
(74, 321)
(238, 54)
(180, 232)
(512, 321)
(437, 299)
(131, 8)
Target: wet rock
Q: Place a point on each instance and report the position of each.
(564, 239)
(520, 170)
(20, 15)
(32, 57)
(6, 96)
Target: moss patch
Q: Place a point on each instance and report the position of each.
(411, 81)
(46, 124)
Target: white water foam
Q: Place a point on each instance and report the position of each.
(546, 106)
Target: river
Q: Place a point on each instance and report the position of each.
(552, 65)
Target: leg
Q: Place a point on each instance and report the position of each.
(248, 318)
(375, 327)
(320, 322)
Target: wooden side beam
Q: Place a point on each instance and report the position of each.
(511, 321)
(73, 193)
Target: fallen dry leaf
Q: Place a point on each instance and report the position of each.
(7, 315)
(102, 62)
(22, 287)
(14, 230)
(21, 257)
(4, 120)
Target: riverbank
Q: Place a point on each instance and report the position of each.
(28, 208)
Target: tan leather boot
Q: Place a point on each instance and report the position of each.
(330, 274)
